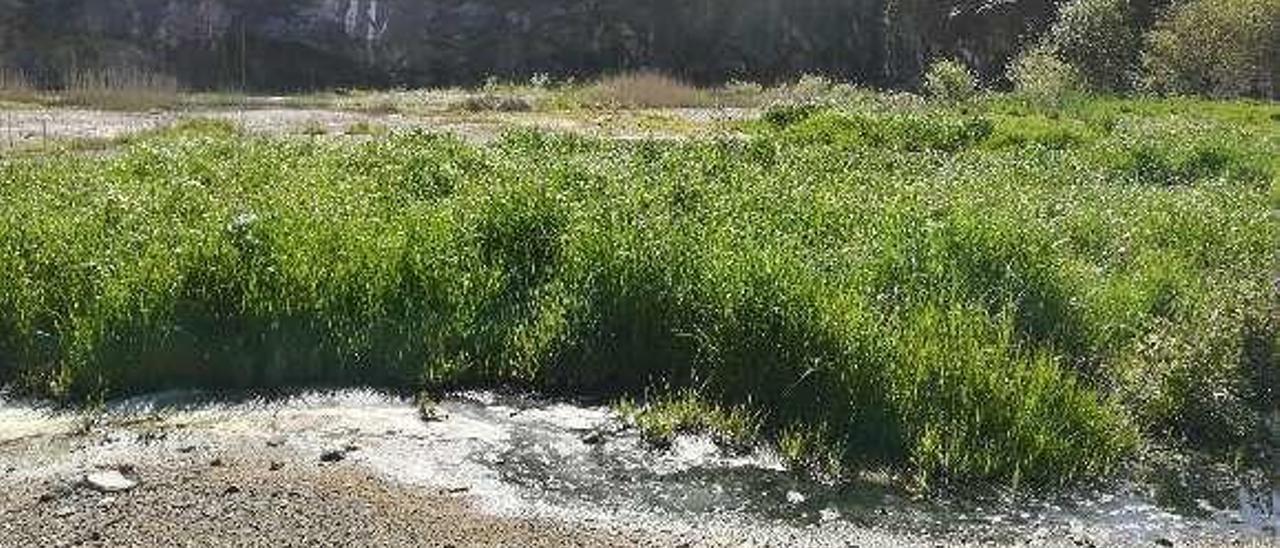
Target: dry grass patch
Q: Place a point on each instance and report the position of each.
(122, 89)
(14, 86)
(646, 90)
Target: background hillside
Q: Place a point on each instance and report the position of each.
(299, 44)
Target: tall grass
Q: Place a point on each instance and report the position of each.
(973, 308)
(645, 90)
(121, 88)
(15, 86)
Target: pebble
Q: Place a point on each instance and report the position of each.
(333, 456)
(109, 481)
(594, 437)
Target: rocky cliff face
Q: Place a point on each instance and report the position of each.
(284, 44)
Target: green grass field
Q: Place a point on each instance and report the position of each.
(984, 293)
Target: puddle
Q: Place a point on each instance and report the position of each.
(525, 456)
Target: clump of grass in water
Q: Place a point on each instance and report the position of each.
(685, 412)
(964, 313)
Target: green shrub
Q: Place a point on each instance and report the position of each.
(1223, 48)
(1042, 78)
(785, 115)
(950, 81)
(1099, 38)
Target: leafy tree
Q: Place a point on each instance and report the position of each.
(1101, 40)
(1222, 48)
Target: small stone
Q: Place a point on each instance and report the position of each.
(457, 490)
(217, 463)
(231, 490)
(276, 466)
(594, 437)
(350, 448)
(275, 442)
(47, 496)
(110, 481)
(828, 514)
(332, 456)
(794, 497)
(151, 436)
(187, 449)
(429, 410)
(106, 501)
(1162, 541)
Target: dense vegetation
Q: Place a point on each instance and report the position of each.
(979, 291)
(1219, 47)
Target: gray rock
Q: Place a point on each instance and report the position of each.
(109, 481)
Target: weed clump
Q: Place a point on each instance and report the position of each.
(490, 102)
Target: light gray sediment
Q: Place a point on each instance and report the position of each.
(358, 468)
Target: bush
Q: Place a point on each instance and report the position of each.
(1222, 48)
(1042, 78)
(487, 102)
(784, 115)
(1099, 38)
(950, 81)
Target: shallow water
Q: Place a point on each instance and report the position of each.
(525, 456)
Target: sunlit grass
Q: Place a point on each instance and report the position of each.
(969, 294)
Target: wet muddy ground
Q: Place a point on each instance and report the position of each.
(360, 468)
